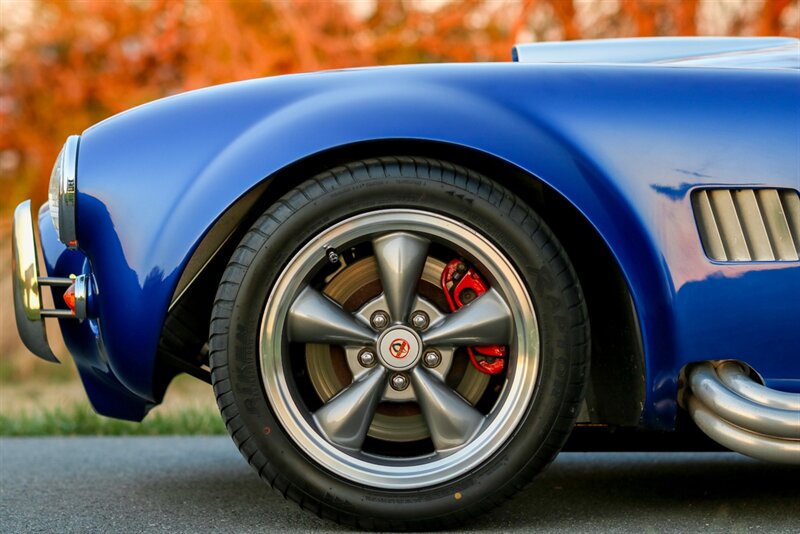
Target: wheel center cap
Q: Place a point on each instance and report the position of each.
(399, 348)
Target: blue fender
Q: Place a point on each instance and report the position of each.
(152, 181)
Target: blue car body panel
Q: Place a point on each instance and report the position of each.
(625, 144)
(83, 339)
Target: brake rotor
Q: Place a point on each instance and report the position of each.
(329, 372)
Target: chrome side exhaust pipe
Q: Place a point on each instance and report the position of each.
(744, 416)
(738, 381)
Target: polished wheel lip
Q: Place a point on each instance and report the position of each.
(379, 471)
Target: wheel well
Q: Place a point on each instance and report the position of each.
(616, 391)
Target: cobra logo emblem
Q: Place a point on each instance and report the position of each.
(399, 348)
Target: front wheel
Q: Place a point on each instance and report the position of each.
(399, 344)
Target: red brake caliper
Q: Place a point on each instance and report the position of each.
(462, 285)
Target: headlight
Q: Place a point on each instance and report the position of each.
(61, 196)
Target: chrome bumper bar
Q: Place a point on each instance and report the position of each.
(28, 307)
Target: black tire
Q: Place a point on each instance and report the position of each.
(377, 184)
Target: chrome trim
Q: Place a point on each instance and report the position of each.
(55, 282)
(650, 50)
(67, 193)
(732, 409)
(27, 287)
(58, 314)
(739, 381)
(81, 296)
(25, 281)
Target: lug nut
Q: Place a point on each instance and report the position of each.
(399, 382)
(419, 320)
(379, 320)
(366, 358)
(431, 359)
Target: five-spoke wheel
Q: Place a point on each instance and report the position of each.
(397, 343)
(398, 329)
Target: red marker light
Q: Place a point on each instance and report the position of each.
(69, 297)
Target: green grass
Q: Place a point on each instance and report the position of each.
(80, 420)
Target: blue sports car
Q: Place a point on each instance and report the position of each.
(410, 285)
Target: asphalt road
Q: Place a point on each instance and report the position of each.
(203, 485)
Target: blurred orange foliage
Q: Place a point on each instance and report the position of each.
(67, 65)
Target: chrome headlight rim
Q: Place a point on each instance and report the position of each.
(65, 172)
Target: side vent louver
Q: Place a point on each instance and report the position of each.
(749, 224)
